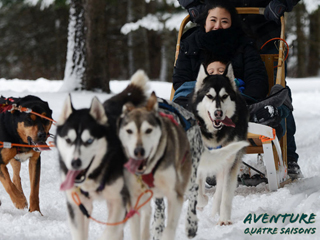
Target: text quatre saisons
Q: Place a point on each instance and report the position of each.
(291, 217)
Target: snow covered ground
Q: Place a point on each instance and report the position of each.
(300, 197)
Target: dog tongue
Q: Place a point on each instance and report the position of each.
(69, 181)
(132, 165)
(228, 122)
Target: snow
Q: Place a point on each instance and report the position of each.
(299, 197)
(44, 3)
(311, 5)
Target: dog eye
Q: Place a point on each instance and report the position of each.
(149, 130)
(68, 140)
(209, 96)
(129, 131)
(45, 121)
(28, 120)
(225, 96)
(89, 141)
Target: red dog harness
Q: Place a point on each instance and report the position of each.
(149, 179)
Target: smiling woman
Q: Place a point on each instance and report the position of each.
(220, 36)
(218, 18)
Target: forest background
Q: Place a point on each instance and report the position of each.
(90, 42)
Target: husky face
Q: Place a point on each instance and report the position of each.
(81, 141)
(214, 99)
(140, 133)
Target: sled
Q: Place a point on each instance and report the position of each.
(262, 138)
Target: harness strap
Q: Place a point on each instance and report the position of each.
(169, 117)
(148, 178)
(4, 108)
(28, 110)
(184, 122)
(8, 105)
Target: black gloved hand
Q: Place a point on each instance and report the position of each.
(274, 11)
(195, 12)
(267, 115)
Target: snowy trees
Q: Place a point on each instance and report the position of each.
(111, 39)
(138, 55)
(303, 35)
(33, 40)
(86, 66)
(76, 57)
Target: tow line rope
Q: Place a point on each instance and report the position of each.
(249, 166)
(10, 145)
(130, 214)
(28, 110)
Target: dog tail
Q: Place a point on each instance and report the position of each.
(136, 93)
(140, 80)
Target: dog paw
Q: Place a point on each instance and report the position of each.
(21, 205)
(191, 226)
(224, 223)
(35, 210)
(192, 232)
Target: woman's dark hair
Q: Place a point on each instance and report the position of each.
(211, 4)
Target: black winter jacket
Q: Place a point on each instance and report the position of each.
(246, 63)
(256, 25)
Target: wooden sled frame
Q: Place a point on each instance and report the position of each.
(262, 138)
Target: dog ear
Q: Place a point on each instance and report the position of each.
(67, 109)
(97, 111)
(228, 72)
(127, 108)
(152, 103)
(201, 76)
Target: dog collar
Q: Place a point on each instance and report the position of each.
(149, 179)
(212, 148)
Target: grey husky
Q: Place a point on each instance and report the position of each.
(158, 151)
(222, 115)
(91, 159)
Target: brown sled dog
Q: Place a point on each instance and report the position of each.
(23, 128)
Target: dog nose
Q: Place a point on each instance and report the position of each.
(139, 151)
(76, 163)
(42, 136)
(218, 113)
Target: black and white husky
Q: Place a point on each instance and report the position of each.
(222, 115)
(91, 158)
